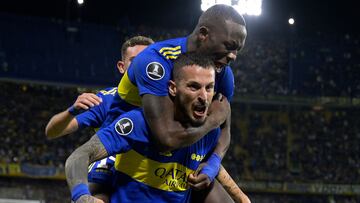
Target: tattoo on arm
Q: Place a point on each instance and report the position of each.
(86, 199)
(76, 166)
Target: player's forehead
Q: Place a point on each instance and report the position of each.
(196, 73)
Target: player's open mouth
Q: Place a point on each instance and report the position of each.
(199, 111)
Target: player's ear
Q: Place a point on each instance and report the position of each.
(121, 67)
(203, 33)
(172, 88)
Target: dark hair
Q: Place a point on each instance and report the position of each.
(221, 12)
(137, 40)
(189, 59)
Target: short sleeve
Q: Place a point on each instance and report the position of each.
(126, 129)
(152, 73)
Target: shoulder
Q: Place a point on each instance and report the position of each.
(131, 124)
(163, 50)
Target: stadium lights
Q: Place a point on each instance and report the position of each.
(291, 21)
(248, 7)
(80, 2)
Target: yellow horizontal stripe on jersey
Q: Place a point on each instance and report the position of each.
(128, 91)
(170, 48)
(171, 57)
(171, 53)
(169, 176)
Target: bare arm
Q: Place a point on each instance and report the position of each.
(231, 187)
(169, 134)
(64, 123)
(224, 140)
(76, 166)
(61, 124)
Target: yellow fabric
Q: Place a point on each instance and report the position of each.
(170, 176)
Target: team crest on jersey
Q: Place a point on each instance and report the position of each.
(155, 71)
(124, 126)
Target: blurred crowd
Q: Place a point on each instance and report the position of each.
(317, 65)
(296, 145)
(24, 111)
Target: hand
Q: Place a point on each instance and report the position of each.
(89, 199)
(219, 109)
(199, 181)
(86, 101)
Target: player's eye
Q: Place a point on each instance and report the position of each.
(194, 86)
(210, 88)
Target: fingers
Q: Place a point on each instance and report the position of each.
(89, 199)
(86, 101)
(218, 96)
(93, 98)
(99, 201)
(201, 166)
(199, 182)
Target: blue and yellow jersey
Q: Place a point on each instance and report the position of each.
(151, 70)
(103, 114)
(97, 116)
(146, 175)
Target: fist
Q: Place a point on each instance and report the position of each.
(89, 199)
(199, 182)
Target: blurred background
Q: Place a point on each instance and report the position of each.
(295, 114)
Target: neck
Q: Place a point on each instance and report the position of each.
(180, 117)
(191, 43)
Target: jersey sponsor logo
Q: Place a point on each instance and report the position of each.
(155, 71)
(124, 126)
(173, 178)
(197, 157)
(168, 176)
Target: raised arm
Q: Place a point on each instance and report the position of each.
(65, 122)
(76, 168)
(169, 134)
(61, 124)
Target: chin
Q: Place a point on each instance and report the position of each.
(197, 122)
